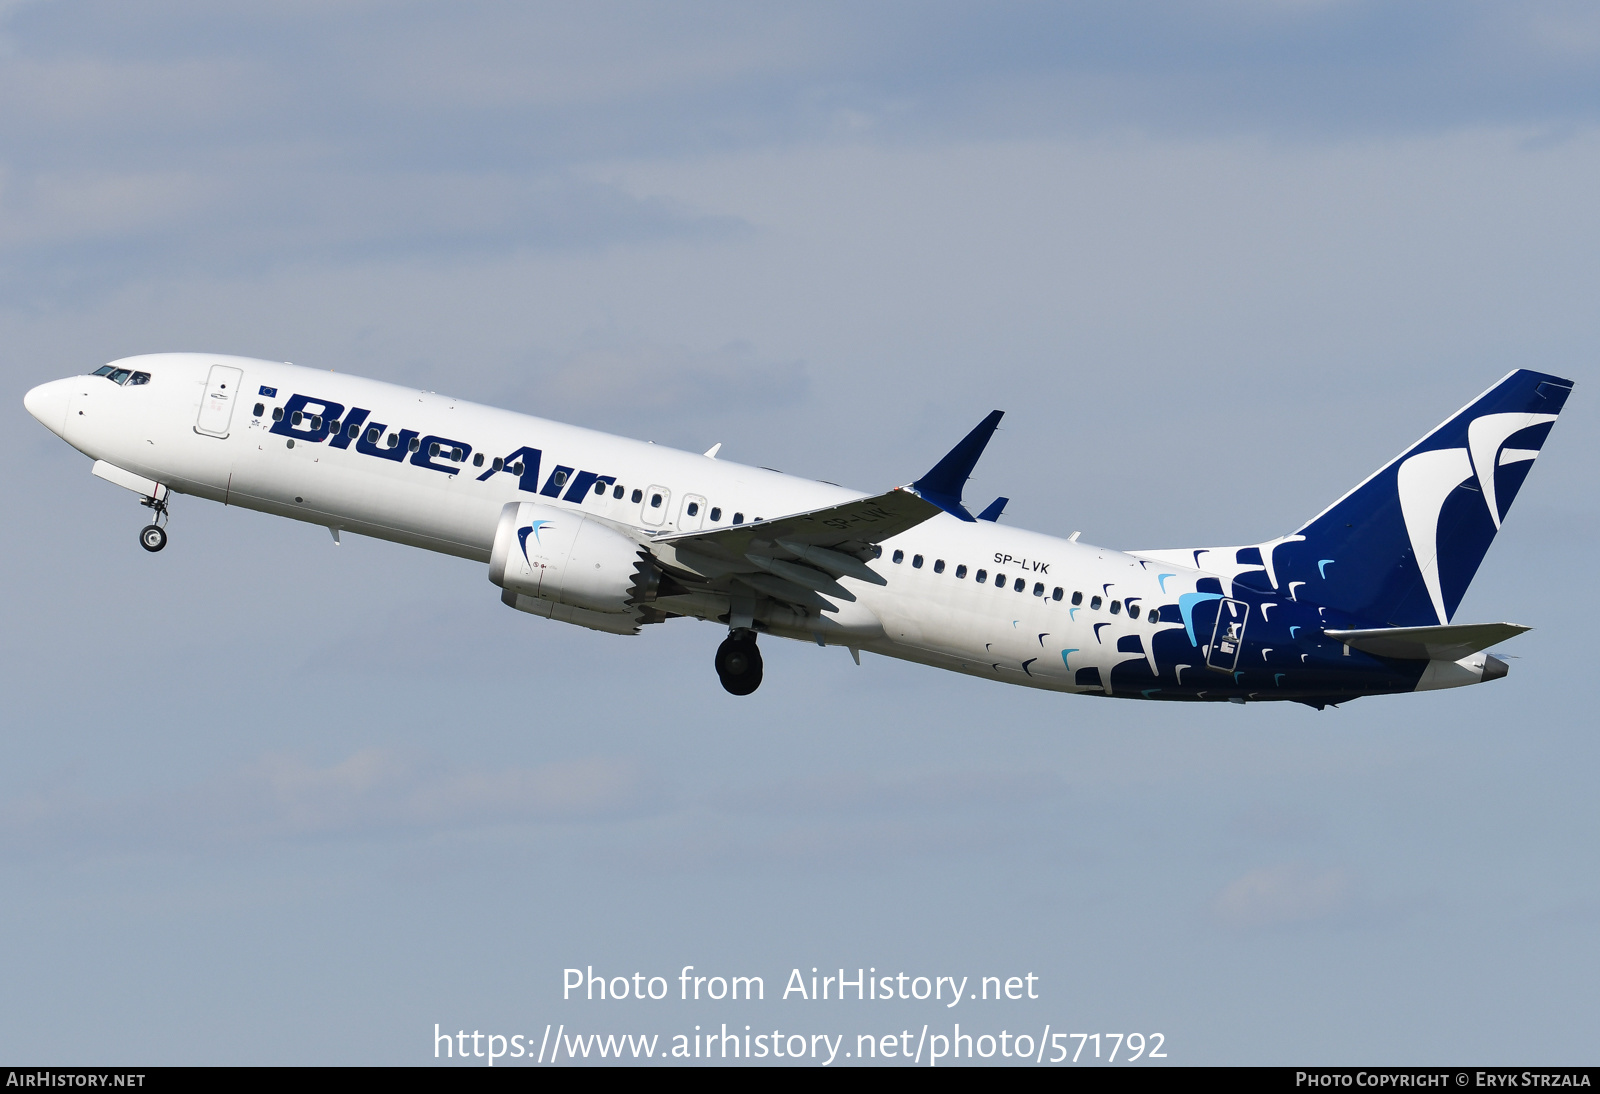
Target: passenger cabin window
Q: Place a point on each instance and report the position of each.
(1077, 598)
(334, 426)
(999, 581)
(1133, 611)
(716, 514)
(1094, 603)
(1057, 593)
(981, 576)
(1038, 588)
(1154, 616)
(433, 450)
(516, 468)
(374, 433)
(138, 378)
(1020, 585)
(260, 409)
(600, 488)
(416, 442)
(277, 413)
(1116, 607)
(916, 562)
(738, 518)
(560, 479)
(457, 455)
(617, 492)
(355, 428)
(316, 421)
(938, 565)
(638, 496)
(897, 557)
(655, 501)
(694, 508)
(477, 461)
(961, 571)
(296, 418)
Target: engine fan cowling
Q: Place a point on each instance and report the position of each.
(564, 557)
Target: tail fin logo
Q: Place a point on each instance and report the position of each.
(1427, 479)
(1486, 437)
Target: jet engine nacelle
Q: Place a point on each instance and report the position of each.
(564, 557)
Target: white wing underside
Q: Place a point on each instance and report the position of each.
(796, 559)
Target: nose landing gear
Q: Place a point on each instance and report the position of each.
(153, 537)
(739, 662)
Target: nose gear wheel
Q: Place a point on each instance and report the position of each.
(153, 537)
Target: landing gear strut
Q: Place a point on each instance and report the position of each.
(153, 537)
(739, 662)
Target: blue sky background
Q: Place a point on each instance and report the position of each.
(267, 800)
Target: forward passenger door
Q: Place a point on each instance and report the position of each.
(216, 404)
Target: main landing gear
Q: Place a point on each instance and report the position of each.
(153, 537)
(739, 662)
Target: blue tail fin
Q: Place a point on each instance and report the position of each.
(1402, 547)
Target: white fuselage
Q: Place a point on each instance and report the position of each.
(925, 613)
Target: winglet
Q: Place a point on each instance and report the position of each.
(942, 486)
(996, 507)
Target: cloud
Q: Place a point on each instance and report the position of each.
(857, 792)
(854, 819)
(183, 139)
(92, 226)
(375, 791)
(671, 393)
(1282, 895)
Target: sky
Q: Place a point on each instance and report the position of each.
(268, 800)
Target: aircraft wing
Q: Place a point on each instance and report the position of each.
(796, 559)
(851, 525)
(799, 558)
(1450, 643)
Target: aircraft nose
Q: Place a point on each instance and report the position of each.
(48, 403)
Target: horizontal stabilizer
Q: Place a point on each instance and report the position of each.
(1450, 643)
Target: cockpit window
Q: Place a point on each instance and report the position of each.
(139, 378)
(103, 370)
(117, 376)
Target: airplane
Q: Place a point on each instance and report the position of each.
(616, 535)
